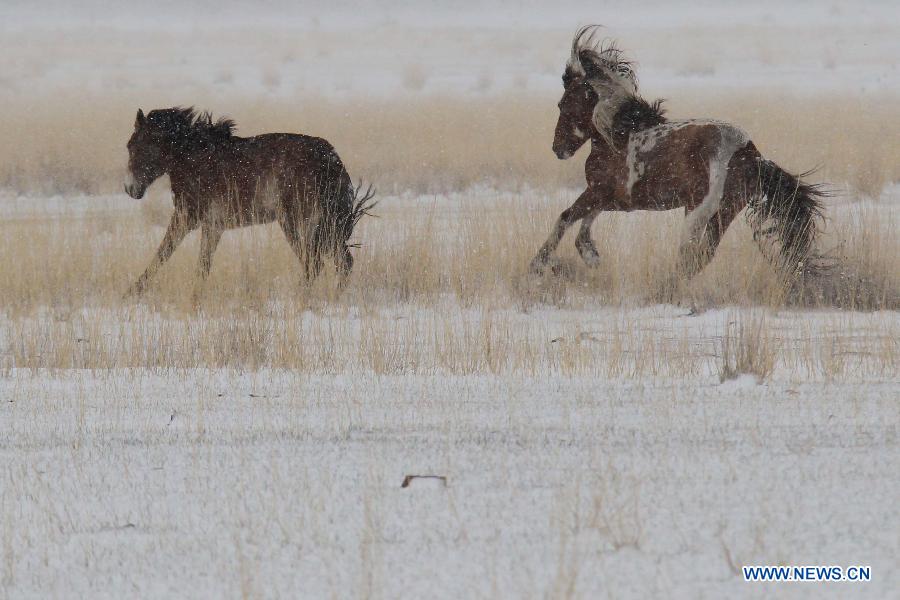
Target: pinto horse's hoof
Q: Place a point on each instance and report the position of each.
(589, 255)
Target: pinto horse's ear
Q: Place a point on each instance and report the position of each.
(139, 120)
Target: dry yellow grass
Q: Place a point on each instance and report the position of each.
(438, 286)
(473, 246)
(73, 142)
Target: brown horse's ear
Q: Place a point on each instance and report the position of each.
(139, 120)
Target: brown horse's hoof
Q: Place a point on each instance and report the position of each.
(132, 293)
(540, 266)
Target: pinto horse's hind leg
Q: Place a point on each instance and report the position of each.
(583, 206)
(179, 227)
(697, 251)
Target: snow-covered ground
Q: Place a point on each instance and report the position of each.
(636, 474)
(219, 484)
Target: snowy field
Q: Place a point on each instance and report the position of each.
(449, 425)
(587, 450)
(218, 484)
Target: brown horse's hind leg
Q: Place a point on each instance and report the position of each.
(579, 210)
(179, 227)
(343, 260)
(317, 248)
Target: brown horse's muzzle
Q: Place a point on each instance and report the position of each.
(135, 190)
(133, 187)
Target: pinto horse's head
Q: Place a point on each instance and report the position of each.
(145, 157)
(596, 81)
(576, 108)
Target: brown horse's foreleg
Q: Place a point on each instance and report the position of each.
(210, 234)
(179, 227)
(579, 210)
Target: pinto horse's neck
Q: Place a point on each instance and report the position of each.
(601, 147)
(633, 114)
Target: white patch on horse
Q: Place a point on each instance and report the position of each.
(730, 140)
(578, 132)
(610, 97)
(612, 91)
(638, 142)
(641, 142)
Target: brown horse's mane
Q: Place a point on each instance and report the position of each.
(187, 129)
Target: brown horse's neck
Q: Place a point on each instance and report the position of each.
(187, 159)
(186, 166)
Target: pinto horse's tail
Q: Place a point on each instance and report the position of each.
(787, 208)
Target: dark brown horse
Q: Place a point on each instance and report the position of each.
(221, 181)
(639, 160)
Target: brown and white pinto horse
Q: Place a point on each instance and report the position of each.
(639, 160)
(221, 181)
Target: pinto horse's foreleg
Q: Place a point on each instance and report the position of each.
(583, 206)
(584, 243)
(179, 227)
(210, 235)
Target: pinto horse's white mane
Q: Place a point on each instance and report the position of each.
(606, 69)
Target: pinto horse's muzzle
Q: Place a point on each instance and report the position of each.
(562, 153)
(567, 140)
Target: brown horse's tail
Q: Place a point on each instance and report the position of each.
(787, 208)
(360, 204)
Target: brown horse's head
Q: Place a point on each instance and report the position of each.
(597, 80)
(145, 157)
(168, 137)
